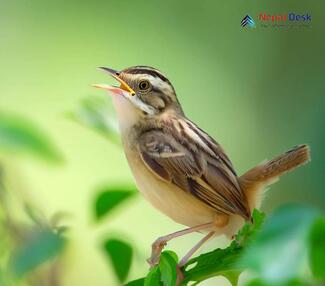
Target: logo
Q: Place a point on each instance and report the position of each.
(247, 21)
(293, 17)
(279, 21)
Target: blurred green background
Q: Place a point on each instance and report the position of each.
(257, 91)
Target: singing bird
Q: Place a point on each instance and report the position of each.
(179, 168)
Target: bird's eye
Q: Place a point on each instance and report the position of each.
(144, 85)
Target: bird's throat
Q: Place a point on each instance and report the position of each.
(128, 115)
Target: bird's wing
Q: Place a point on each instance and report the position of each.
(187, 157)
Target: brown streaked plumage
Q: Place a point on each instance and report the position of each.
(199, 167)
(178, 167)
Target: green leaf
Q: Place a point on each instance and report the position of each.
(232, 276)
(18, 136)
(138, 282)
(256, 282)
(42, 246)
(279, 250)
(110, 198)
(317, 248)
(248, 231)
(120, 254)
(153, 277)
(167, 267)
(220, 262)
(94, 113)
(259, 282)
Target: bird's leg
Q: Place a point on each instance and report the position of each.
(180, 275)
(219, 221)
(160, 243)
(195, 248)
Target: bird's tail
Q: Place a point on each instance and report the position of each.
(254, 181)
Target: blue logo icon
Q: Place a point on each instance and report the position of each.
(247, 21)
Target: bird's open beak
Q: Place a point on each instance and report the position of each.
(121, 90)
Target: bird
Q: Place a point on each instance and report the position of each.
(180, 169)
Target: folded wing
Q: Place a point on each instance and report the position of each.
(184, 155)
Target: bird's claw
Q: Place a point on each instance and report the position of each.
(156, 250)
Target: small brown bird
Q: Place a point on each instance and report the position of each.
(179, 168)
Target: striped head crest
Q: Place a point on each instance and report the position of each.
(144, 93)
(153, 91)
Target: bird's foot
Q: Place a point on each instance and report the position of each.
(156, 249)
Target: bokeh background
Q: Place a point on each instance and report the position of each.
(257, 91)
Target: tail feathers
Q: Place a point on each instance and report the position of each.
(280, 165)
(259, 177)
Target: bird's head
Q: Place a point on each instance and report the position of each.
(143, 92)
